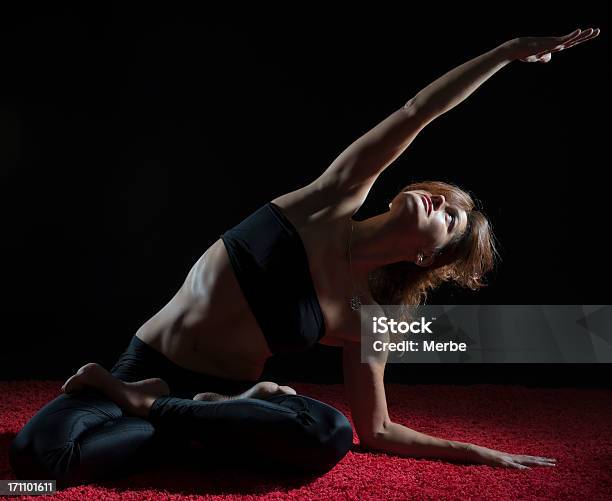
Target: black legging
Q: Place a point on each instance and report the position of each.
(84, 436)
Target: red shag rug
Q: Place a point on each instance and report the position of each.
(572, 425)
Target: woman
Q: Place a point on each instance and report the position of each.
(291, 274)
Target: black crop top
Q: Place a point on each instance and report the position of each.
(271, 266)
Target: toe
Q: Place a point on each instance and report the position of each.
(288, 390)
(67, 383)
(268, 386)
(91, 366)
(209, 397)
(73, 383)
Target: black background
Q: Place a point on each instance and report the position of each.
(130, 138)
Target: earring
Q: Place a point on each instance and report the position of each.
(419, 259)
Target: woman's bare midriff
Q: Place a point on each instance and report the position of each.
(208, 326)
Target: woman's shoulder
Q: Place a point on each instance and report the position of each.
(315, 218)
(319, 202)
(303, 206)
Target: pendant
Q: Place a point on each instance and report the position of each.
(355, 303)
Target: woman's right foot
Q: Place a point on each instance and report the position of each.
(262, 390)
(134, 398)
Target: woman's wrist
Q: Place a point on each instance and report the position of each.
(467, 451)
(463, 450)
(507, 50)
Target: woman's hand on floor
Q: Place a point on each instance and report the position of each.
(539, 49)
(491, 457)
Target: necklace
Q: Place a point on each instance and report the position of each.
(354, 301)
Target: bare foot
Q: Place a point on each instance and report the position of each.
(262, 390)
(134, 398)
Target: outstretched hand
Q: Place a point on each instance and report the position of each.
(540, 49)
(491, 457)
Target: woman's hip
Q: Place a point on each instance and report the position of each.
(141, 361)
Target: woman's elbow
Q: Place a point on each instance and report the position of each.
(371, 437)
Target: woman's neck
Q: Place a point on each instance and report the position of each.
(373, 244)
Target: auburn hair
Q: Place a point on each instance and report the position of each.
(464, 260)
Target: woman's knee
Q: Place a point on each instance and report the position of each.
(33, 453)
(334, 436)
(72, 434)
(329, 432)
(98, 452)
(22, 458)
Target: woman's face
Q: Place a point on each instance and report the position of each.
(427, 220)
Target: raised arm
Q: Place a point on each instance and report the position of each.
(364, 160)
(353, 172)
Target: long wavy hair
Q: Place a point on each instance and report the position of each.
(464, 261)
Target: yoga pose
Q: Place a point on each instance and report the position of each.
(291, 274)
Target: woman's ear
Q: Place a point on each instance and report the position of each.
(426, 261)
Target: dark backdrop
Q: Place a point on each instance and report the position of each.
(131, 138)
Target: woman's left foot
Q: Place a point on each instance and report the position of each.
(91, 374)
(134, 398)
(262, 391)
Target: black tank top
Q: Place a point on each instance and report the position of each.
(271, 266)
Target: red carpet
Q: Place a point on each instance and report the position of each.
(571, 425)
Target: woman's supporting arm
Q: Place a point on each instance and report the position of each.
(365, 391)
(403, 441)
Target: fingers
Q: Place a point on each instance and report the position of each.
(534, 460)
(542, 57)
(545, 58)
(580, 39)
(519, 466)
(288, 390)
(570, 40)
(566, 38)
(515, 465)
(523, 465)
